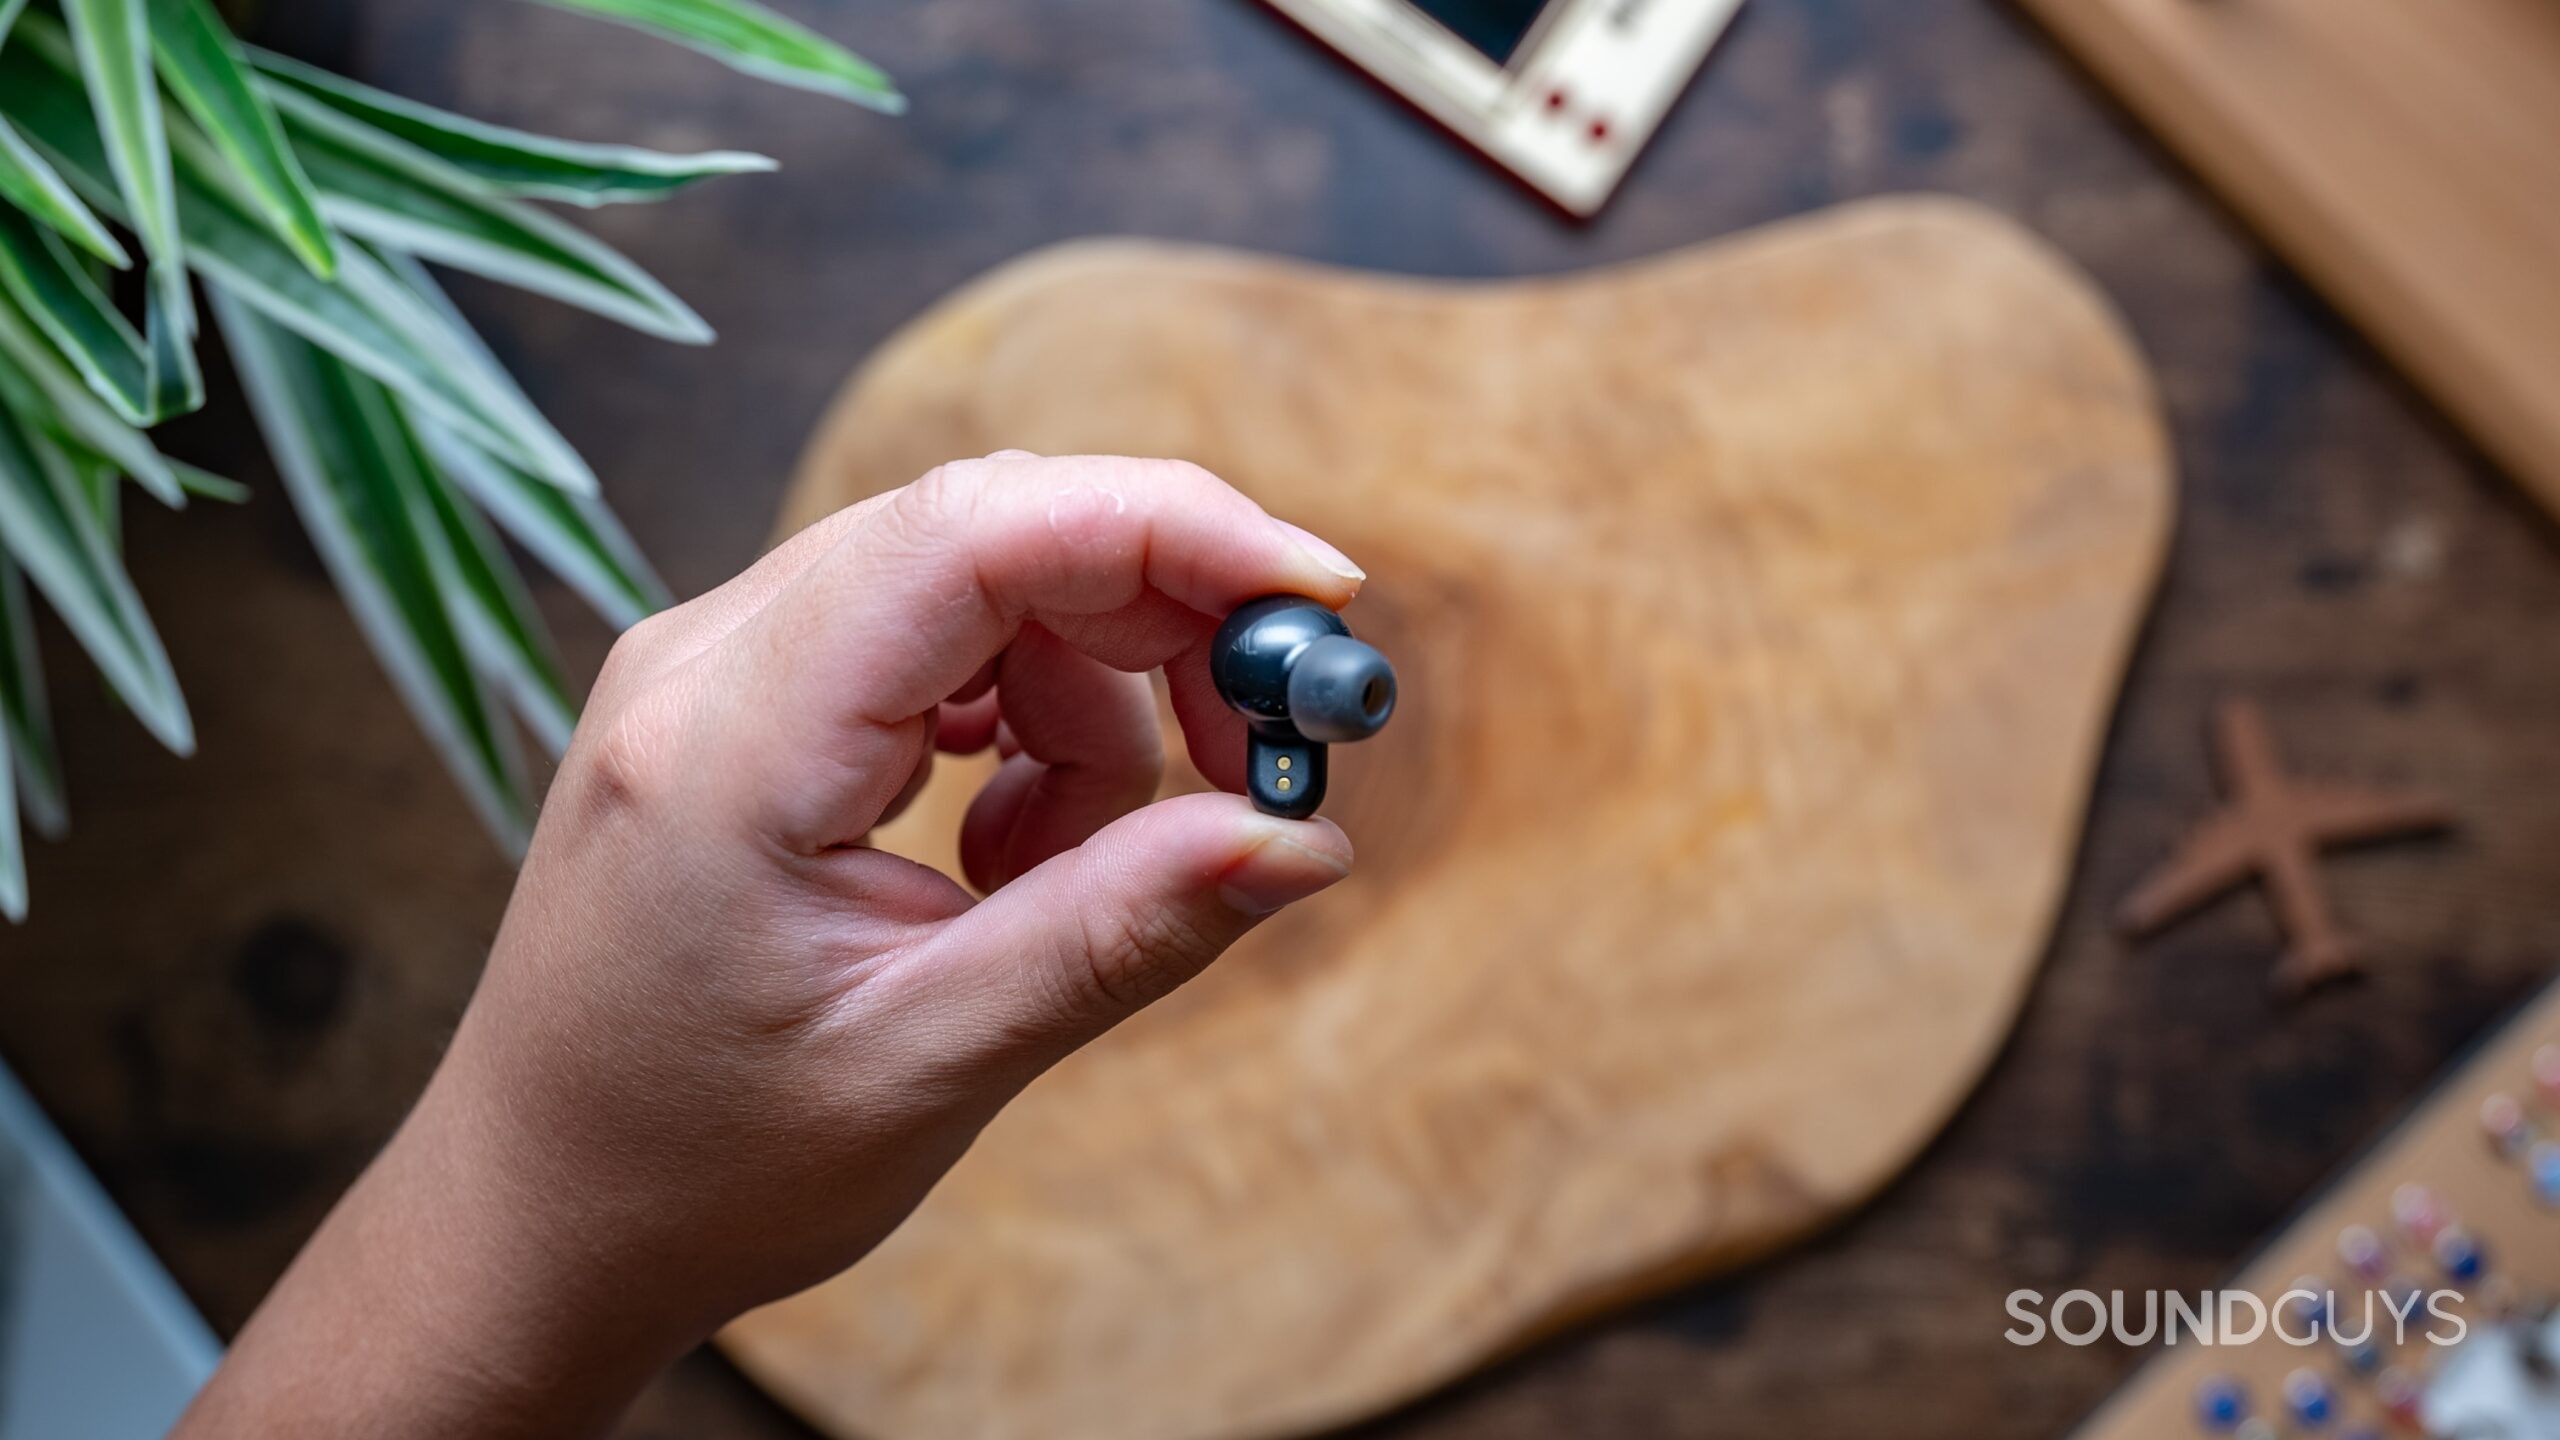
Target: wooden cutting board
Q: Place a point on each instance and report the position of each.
(1759, 610)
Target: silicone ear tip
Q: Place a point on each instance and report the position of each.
(1340, 690)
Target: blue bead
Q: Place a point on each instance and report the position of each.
(2460, 1255)
(2542, 1163)
(2309, 1397)
(2221, 1404)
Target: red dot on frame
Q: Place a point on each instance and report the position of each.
(1599, 131)
(1555, 99)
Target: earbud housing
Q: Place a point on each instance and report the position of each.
(1292, 669)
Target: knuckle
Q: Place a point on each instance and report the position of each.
(932, 520)
(1185, 476)
(1182, 483)
(944, 497)
(634, 652)
(628, 762)
(1133, 957)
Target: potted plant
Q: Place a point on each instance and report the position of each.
(143, 148)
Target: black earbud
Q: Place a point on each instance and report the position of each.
(1291, 668)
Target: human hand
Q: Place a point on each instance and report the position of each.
(722, 1046)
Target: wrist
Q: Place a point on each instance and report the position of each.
(440, 1298)
(514, 1265)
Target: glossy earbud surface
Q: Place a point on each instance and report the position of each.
(1291, 668)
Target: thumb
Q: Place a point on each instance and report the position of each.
(1091, 936)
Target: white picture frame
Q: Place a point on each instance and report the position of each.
(1579, 97)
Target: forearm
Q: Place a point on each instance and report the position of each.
(430, 1304)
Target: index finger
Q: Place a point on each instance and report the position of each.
(834, 676)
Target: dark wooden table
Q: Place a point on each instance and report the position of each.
(242, 965)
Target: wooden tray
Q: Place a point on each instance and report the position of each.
(2404, 153)
(1759, 608)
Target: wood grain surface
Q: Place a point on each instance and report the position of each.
(241, 966)
(1759, 610)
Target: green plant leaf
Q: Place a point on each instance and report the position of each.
(205, 69)
(753, 39)
(191, 482)
(574, 535)
(54, 393)
(365, 321)
(38, 271)
(24, 714)
(508, 637)
(356, 477)
(205, 483)
(13, 850)
(516, 162)
(112, 40)
(47, 524)
(169, 342)
(9, 16)
(449, 347)
(111, 45)
(31, 772)
(30, 184)
(391, 192)
(100, 478)
(364, 318)
(100, 486)
(499, 623)
(101, 483)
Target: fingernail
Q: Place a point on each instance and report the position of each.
(1278, 872)
(1324, 554)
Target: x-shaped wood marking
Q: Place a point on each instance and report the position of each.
(2273, 827)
